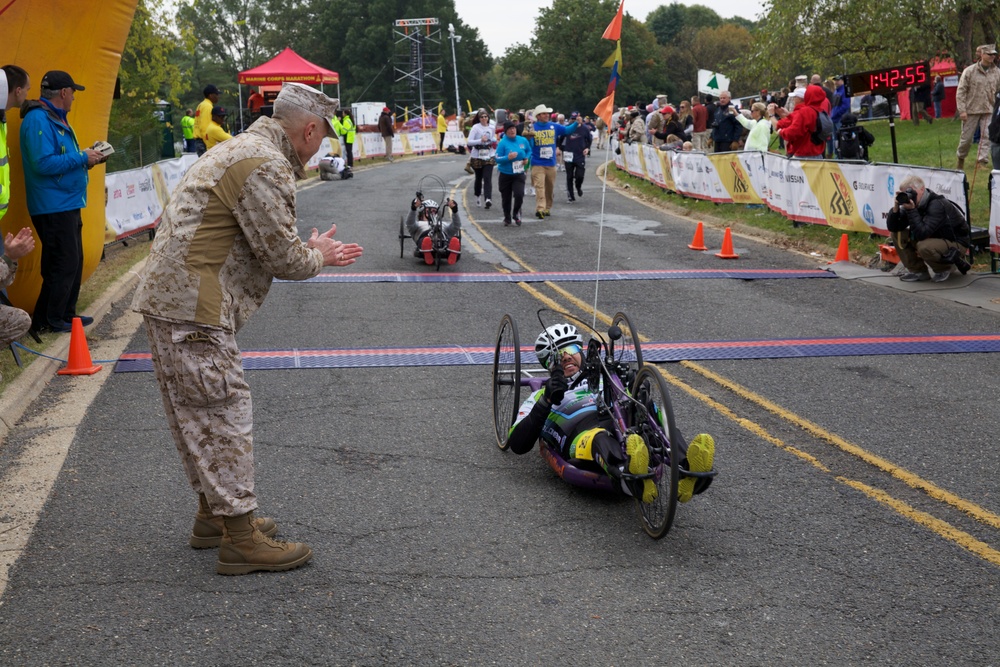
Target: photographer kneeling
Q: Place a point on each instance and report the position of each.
(928, 231)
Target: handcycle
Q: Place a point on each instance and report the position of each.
(632, 398)
(439, 240)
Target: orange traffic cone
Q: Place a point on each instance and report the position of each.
(698, 242)
(79, 356)
(843, 255)
(727, 246)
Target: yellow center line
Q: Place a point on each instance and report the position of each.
(938, 526)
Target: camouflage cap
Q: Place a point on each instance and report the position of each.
(988, 48)
(312, 100)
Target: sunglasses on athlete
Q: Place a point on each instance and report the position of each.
(570, 349)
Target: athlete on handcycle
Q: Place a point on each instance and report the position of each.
(424, 216)
(563, 413)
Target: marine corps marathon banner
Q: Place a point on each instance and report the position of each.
(852, 196)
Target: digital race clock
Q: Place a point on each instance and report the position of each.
(888, 80)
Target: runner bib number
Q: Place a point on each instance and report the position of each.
(545, 153)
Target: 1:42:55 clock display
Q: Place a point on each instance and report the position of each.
(888, 79)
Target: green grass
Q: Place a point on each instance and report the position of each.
(927, 145)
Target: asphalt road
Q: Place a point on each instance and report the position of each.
(855, 518)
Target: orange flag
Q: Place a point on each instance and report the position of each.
(605, 108)
(614, 29)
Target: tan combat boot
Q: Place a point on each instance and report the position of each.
(960, 164)
(207, 531)
(245, 549)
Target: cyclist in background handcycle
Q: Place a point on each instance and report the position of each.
(423, 213)
(568, 420)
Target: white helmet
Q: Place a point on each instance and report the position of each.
(553, 338)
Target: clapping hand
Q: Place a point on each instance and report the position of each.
(335, 253)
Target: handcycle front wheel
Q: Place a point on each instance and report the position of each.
(402, 236)
(629, 349)
(506, 379)
(660, 433)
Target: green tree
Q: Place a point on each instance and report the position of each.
(146, 75)
(358, 40)
(667, 22)
(858, 35)
(228, 32)
(562, 66)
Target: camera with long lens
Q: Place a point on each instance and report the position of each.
(906, 196)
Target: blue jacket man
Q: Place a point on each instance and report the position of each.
(55, 180)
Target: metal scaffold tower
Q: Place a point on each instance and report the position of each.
(418, 65)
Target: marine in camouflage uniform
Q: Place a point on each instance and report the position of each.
(227, 232)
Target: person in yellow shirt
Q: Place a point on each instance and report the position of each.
(442, 121)
(203, 117)
(216, 133)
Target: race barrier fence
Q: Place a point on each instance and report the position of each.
(135, 199)
(851, 196)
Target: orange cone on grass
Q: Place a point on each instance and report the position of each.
(843, 254)
(727, 246)
(79, 356)
(698, 242)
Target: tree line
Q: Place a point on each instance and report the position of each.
(174, 50)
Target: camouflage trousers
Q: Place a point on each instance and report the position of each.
(209, 410)
(14, 323)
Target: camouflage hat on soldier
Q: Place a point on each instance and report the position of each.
(312, 100)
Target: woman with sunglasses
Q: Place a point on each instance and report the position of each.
(482, 142)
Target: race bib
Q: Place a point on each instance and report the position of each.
(567, 156)
(518, 166)
(545, 153)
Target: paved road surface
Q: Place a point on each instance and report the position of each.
(855, 518)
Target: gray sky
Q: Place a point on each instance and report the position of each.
(509, 22)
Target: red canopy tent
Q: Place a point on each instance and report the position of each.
(287, 66)
(943, 67)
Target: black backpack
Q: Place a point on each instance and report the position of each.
(849, 144)
(957, 222)
(824, 128)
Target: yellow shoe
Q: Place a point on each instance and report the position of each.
(700, 457)
(638, 464)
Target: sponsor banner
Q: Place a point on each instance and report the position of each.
(843, 195)
(423, 142)
(453, 138)
(371, 145)
(633, 164)
(173, 170)
(132, 201)
(734, 185)
(831, 186)
(653, 164)
(619, 155)
(802, 203)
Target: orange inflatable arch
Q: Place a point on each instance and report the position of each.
(84, 38)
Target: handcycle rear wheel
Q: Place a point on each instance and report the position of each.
(650, 389)
(506, 379)
(629, 349)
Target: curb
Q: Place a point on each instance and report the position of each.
(23, 391)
